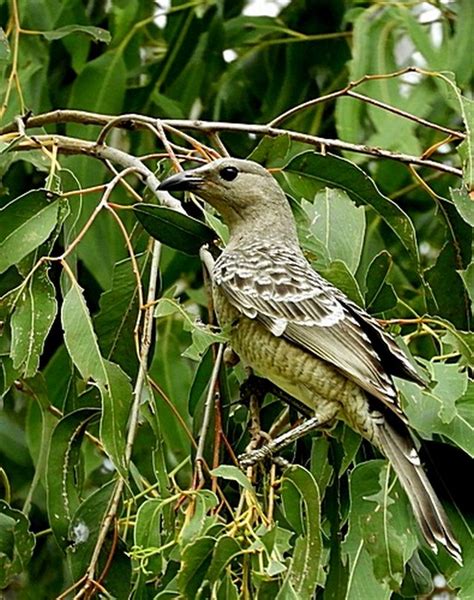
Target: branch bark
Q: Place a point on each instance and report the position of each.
(135, 121)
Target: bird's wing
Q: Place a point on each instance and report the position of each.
(282, 291)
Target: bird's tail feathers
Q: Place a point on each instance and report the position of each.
(432, 520)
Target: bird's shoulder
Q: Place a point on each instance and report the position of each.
(279, 281)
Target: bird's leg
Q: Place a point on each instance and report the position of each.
(318, 421)
(252, 393)
(260, 386)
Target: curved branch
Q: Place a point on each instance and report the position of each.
(347, 91)
(134, 121)
(68, 145)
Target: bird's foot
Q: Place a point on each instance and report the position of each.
(267, 451)
(263, 454)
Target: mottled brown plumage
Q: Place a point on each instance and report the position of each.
(294, 328)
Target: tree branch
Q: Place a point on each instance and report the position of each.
(133, 121)
(68, 145)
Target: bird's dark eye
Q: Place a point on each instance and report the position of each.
(229, 173)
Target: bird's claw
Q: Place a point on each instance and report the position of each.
(251, 458)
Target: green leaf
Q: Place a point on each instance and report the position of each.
(203, 338)
(147, 535)
(466, 149)
(39, 428)
(116, 395)
(195, 560)
(350, 441)
(245, 29)
(62, 475)
(4, 47)
(34, 314)
(275, 152)
(381, 536)
(232, 473)
(304, 570)
(451, 300)
(16, 543)
(462, 342)
(339, 275)
(96, 33)
(468, 278)
(84, 529)
(227, 588)
(200, 380)
(198, 524)
(321, 467)
(379, 296)
(202, 335)
(25, 223)
(175, 229)
(376, 36)
(338, 225)
(225, 550)
(388, 549)
(429, 413)
(12, 443)
(463, 581)
(310, 171)
(464, 204)
(116, 321)
(114, 385)
(79, 336)
(450, 385)
(174, 375)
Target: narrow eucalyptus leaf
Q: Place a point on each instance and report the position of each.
(79, 336)
(96, 33)
(234, 474)
(25, 223)
(195, 560)
(84, 529)
(379, 294)
(16, 543)
(31, 322)
(62, 483)
(225, 549)
(173, 228)
(304, 570)
(116, 396)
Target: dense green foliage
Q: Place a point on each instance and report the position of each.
(108, 369)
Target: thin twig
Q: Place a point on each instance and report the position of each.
(207, 415)
(406, 115)
(347, 91)
(133, 420)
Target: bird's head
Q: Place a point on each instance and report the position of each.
(242, 191)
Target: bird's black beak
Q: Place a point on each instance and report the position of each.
(185, 181)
